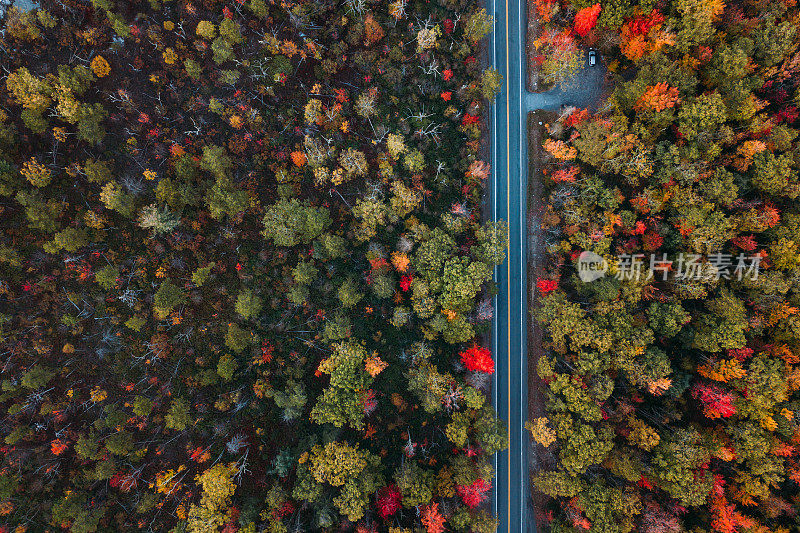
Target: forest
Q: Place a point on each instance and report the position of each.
(245, 280)
(671, 387)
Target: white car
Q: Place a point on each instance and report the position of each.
(592, 57)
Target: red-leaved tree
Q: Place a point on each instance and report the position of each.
(478, 358)
(546, 285)
(586, 19)
(388, 500)
(717, 403)
(473, 495)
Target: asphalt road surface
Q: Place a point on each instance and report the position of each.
(508, 197)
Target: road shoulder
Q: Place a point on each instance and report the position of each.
(539, 458)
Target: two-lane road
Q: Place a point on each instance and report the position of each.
(507, 198)
(508, 201)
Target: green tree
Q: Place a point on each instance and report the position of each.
(403, 201)
(372, 214)
(339, 465)
(97, 171)
(337, 327)
(458, 429)
(775, 175)
(676, 461)
(583, 447)
(216, 161)
(227, 366)
(10, 181)
(206, 30)
(248, 304)
(201, 275)
(229, 35)
(668, 318)
(721, 187)
(290, 222)
(461, 280)
(90, 117)
(490, 431)
(114, 198)
(291, 401)
(237, 339)
(230, 30)
(168, 297)
(702, 114)
(69, 239)
(558, 484)
(107, 276)
(258, 8)
(193, 69)
(696, 23)
(329, 246)
(10, 256)
(225, 199)
(74, 509)
(142, 406)
(186, 168)
(568, 326)
(491, 82)
(773, 41)
(22, 24)
(436, 247)
(561, 65)
(414, 160)
(383, 285)
(34, 121)
(336, 462)
(477, 25)
(609, 509)
(304, 273)
(120, 443)
(429, 385)
(37, 377)
(222, 49)
(41, 214)
(415, 483)
(342, 401)
(723, 326)
(178, 417)
(77, 79)
(349, 293)
(29, 91)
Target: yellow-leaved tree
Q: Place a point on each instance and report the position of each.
(215, 501)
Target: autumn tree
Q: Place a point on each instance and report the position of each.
(290, 222)
(213, 511)
(342, 402)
